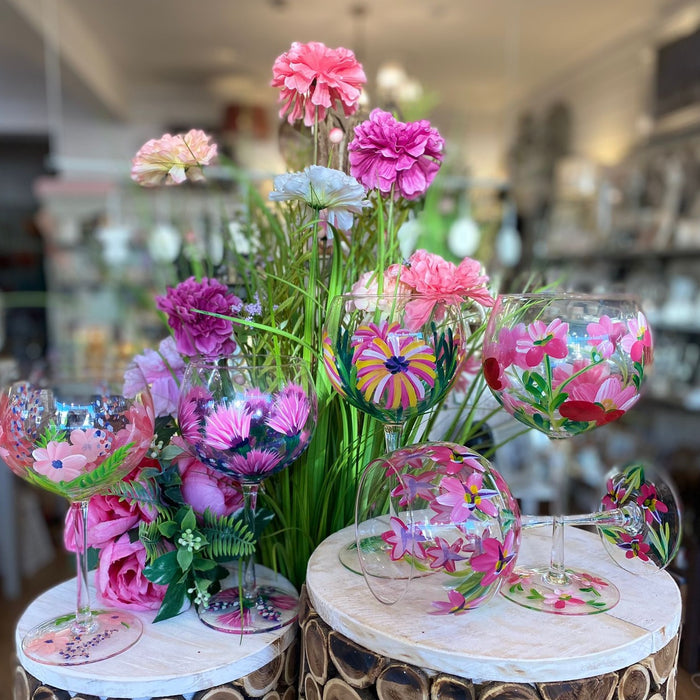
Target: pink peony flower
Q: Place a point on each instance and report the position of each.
(390, 155)
(367, 286)
(162, 370)
(173, 159)
(203, 488)
(442, 282)
(312, 78)
(199, 333)
(119, 577)
(108, 518)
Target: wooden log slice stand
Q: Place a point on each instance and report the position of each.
(177, 659)
(355, 648)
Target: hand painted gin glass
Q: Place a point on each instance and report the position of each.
(438, 521)
(76, 437)
(248, 419)
(394, 357)
(565, 364)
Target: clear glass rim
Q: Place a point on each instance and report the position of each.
(250, 361)
(572, 296)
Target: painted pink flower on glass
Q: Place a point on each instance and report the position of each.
(59, 461)
(466, 497)
(404, 540)
(497, 558)
(544, 339)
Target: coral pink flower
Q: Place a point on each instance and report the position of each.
(59, 461)
(312, 78)
(544, 340)
(200, 333)
(441, 281)
(173, 159)
(389, 155)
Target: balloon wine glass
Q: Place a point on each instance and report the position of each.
(248, 419)
(75, 437)
(453, 530)
(393, 356)
(565, 364)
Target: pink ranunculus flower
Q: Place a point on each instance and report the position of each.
(367, 286)
(173, 159)
(312, 78)
(199, 333)
(108, 518)
(439, 281)
(162, 370)
(203, 487)
(389, 155)
(119, 577)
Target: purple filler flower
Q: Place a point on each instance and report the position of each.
(199, 333)
(387, 153)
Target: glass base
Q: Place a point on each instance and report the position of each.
(268, 609)
(55, 643)
(349, 558)
(582, 594)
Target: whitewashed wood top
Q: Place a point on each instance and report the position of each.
(176, 656)
(502, 640)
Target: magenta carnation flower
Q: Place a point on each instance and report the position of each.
(387, 153)
(199, 333)
(312, 78)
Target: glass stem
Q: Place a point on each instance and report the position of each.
(629, 517)
(557, 573)
(84, 623)
(250, 502)
(392, 436)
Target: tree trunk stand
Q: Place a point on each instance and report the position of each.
(177, 659)
(354, 647)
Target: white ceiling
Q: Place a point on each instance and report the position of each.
(473, 55)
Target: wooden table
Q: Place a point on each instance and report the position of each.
(364, 649)
(176, 658)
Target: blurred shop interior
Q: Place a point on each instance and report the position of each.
(573, 155)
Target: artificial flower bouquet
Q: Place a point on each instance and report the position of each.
(323, 231)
